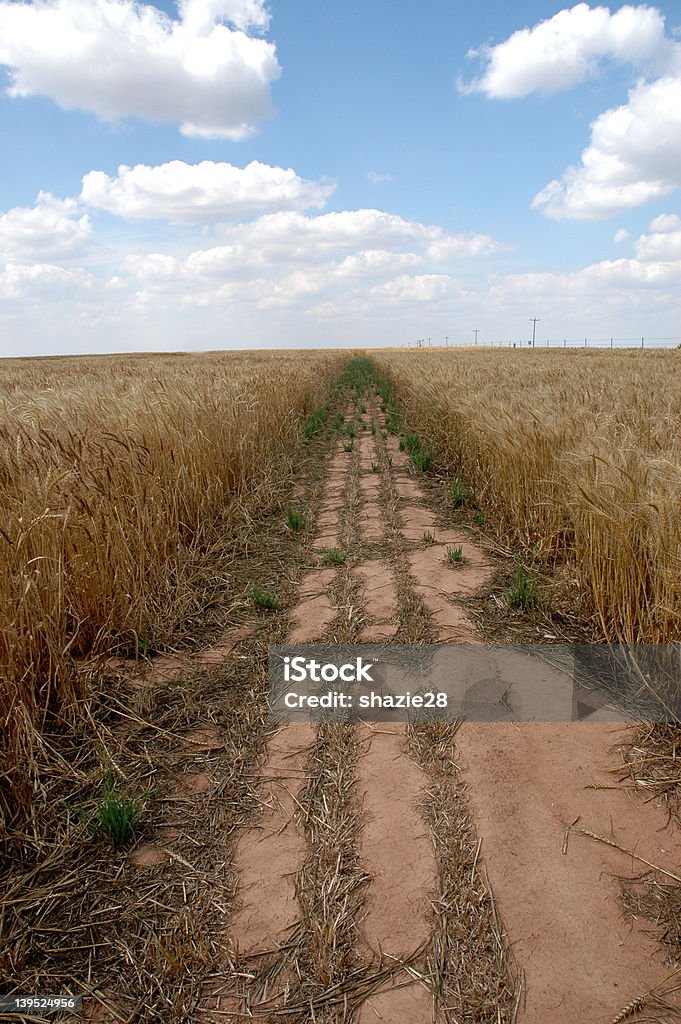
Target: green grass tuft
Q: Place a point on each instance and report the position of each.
(459, 492)
(295, 520)
(334, 556)
(522, 592)
(116, 815)
(263, 598)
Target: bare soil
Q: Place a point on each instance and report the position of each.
(572, 954)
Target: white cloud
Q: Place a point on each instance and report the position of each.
(118, 58)
(654, 270)
(414, 288)
(350, 242)
(567, 48)
(201, 15)
(51, 229)
(296, 236)
(621, 235)
(634, 155)
(448, 247)
(42, 281)
(371, 263)
(633, 158)
(290, 261)
(663, 241)
(203, 192)
(375, 178)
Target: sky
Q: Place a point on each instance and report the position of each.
(208, 174)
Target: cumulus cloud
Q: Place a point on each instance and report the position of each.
(296, 261)
(51, 229)
(663, 240)
(297, 236)
(567, 48)
(621, 235)
(653, 274)
(42, 281)
(203, 192)
(376, 179)
(117, 58)
(634, 155)
(352, 242)
(633, 158)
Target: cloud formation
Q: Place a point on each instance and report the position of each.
(52, 229)
(42, 281)
(203, 192)
(634, 155)
(569, 47)
(118, 58)
(288, 259)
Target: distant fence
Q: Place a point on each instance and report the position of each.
(642, 341)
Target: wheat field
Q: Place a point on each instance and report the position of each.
(576, 456)
(117, 476)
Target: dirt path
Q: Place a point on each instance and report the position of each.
(365, 885)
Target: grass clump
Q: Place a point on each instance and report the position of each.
(145, 647)
(375, 467)
(428, 537)
(455, 554)
(479, 517)
(315, 422)
(421, 455)
(349, 446)
(522, 593)
(459, 492)
(263, 598)
(295, 520)
(392, 420)
(335, 556)
(422, 459)
(410, 442)
(116, 815)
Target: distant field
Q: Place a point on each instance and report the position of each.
(115, 475)
(576, 456)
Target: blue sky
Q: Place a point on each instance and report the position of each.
(231, 173)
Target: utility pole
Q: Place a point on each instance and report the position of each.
(476, 332)
(446, 341)
(534, 320)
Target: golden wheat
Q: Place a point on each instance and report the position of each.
(111, 470)
(578, 457)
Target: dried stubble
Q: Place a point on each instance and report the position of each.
(114, 473)
(578, 457)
